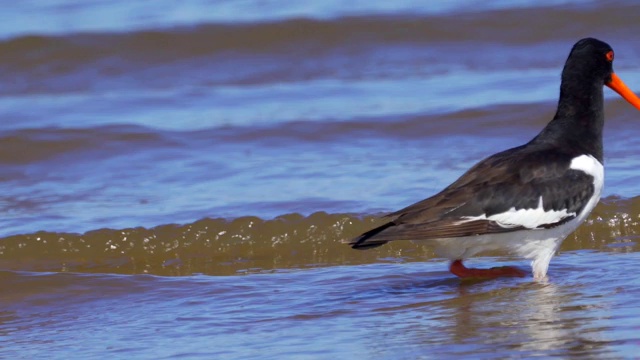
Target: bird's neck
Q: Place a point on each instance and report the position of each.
(579, 120)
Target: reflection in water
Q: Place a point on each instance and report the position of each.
(390, 311)
(567, 315)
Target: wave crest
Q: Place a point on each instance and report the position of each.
(251, 244)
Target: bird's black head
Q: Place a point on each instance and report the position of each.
(589, 66)
(590, 59)
(580, 116)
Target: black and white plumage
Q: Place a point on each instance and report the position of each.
(524, 200)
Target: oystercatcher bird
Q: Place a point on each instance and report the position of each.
(524, 200)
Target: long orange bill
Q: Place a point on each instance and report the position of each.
(618, 86)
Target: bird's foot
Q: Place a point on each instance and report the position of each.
(458, 269)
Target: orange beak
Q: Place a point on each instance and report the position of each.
(618, 86)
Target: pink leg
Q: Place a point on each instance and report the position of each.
(458, 269)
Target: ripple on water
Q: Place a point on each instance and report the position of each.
(588, 307)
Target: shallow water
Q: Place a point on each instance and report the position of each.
(410, 310)
(176, 181)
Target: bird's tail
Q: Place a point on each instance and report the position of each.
(367, 240)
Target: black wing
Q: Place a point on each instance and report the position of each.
(512, 179)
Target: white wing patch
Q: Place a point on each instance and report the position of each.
(534, 218)
(528, 218)
(591, 166)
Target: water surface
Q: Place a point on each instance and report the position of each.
(176, 179)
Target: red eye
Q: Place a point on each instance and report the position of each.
(609, 56)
